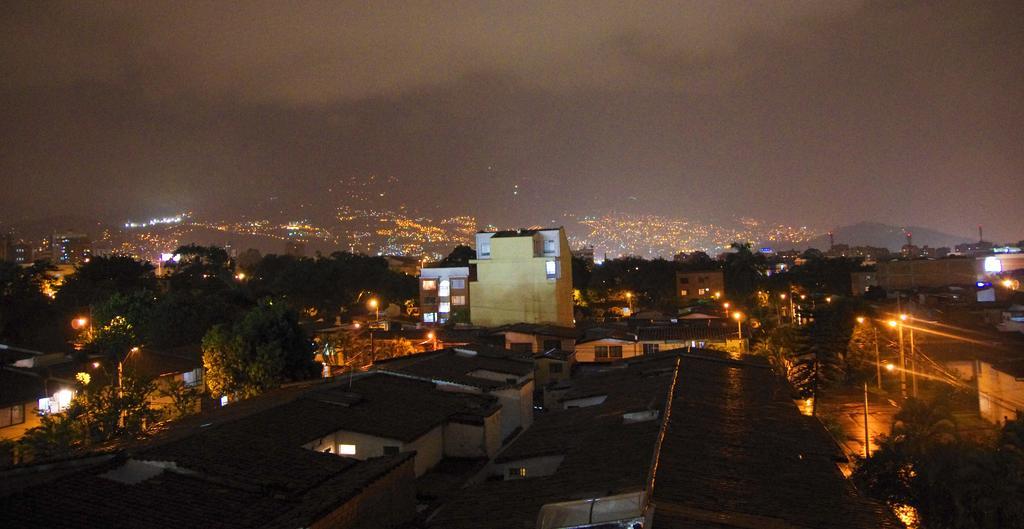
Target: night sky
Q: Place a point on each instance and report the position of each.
(820, 113)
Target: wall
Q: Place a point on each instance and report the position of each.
(927, 273)
(517, 407)
(465, 440)
(512, 285)
(1000, 395)
(585, 351)
(31, 415)
(429, 448)
(537, 341)
(390, 501)
(711, 280)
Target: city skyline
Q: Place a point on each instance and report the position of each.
(804, 114)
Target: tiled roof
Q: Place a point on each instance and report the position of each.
(454, 365)
(602, 456)
(737, 452)
(539, 329)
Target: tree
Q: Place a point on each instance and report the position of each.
(184, 399)
(103, 276)
(743, 270)
(261, 350)
(460, 256)
(355, 348)
(951, 482)
(27, 316)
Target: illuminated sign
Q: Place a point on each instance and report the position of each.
(766, 249)
(993, 265)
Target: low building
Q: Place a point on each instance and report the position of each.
(949, 271)
(261, 464)
(614, 344)
(32, 387)
(537, 338)
(693, 286)
(444, 294)
(1000, 389)
(477, 369)
(522, 276)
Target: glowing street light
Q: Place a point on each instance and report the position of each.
(726, 305)
(889, 367)
(738, 316)
(375, 305)
(860, 319)
(80, 323)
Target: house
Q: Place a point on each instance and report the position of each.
(1001, 389)
(522, 276)
(617, 343)
(444, 294)
(476, 369)
(585, 466)
(537, 338)
(31, 387)
(251, 465)
(552, 366)
(166, 367)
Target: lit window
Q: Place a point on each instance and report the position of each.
(347, 450)
(551, 267)
(446, 288)
(458, 300)
(429, 317)
(517, 472)
(485, 249)
(458, 284)
(615, 351)
(601, 351)
(651, 348)
(224, 400)
(444, 307)
(192, 378)
(549, 246)
(429, 284)
(684, 292)
(57, 403)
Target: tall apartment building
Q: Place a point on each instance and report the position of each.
(706, 284)
(522, 276)
(444, 294)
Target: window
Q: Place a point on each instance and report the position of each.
(444, 307)
(458, 284)
(551, 344)
(516, 472)
(521, 347)
(651, 348)
(600, 351)
(13, 415)
(458, 300)
(446, 288)
(551, 268)
(684, 292)
(429, 317)
(554, 368)
(430, 300)
(485, 249)
(224, 400)
(390, 450)
(429, 284)
(346, 450)
(615, 351)
(57, 403)
(192, 378)
(702, 291)
(684, 281)
(549, 246)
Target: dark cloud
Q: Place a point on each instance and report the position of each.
(818, 113)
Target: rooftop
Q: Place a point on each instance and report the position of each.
(456, 364)
(539, 329)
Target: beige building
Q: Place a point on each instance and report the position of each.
(522, 276)
(707, 284)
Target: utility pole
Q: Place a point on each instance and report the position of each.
(878, 358)
(913, 363)
(903, 362)
(867, 433)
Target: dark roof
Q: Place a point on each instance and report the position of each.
(737, 450)
(556, 354)
(454, 365)
(20, 386)
(518, 233)
(540, 330)
(682, 333)
(188, 497)
(602, 456)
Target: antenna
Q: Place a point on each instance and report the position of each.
(980, 237)
(831, 240)
(910, 238)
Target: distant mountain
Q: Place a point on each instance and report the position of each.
(44, 227)
(886, 236)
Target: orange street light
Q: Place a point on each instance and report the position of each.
(726, 305)
(889, 367)
(892, 323)
(79, 323)
(738, 316)
(375, 305)
(903, 317)
(860, 319)
(782, 296)
(828, 299)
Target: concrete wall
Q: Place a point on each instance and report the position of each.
(1000, 395)
(429, 448)
(535, 467)
(537, 341)
(516, 406)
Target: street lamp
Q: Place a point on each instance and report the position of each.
(738, 316)
(629, 301)
(898, 325)
(433, 340)
(375, 305)
(878, 359)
